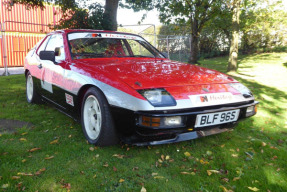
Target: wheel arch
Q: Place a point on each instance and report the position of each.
(26, 72)
(82, 92)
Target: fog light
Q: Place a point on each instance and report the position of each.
(171, 121)
(251, 111)
(150, 121)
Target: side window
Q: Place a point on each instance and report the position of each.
(43, 46)
(56, 44)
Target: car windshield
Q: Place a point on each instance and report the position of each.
(100, 45)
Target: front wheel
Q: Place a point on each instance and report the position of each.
(97, 122)
(31, 94)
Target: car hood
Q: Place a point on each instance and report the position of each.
(147, 73)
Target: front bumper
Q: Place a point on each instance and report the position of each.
(147, 135)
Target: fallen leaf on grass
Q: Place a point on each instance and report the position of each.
(94, 176)
(274, 157)
(135, 168)
(225, 180)
(224, 189)
(121, 180)
(158, 177)
(187, 173)
(208, 153)
(54, 142)
(4, 186)
(25, 174)
(20, 188)
(118, 156)
(234, 155)
(15, 177)
(22, 139)
(154, 174)
(40, 171)
(51, 157)
(0, 135)
(24, 160)
(24, 133)
(203, 162)
(66, 186)
(34, 149)
(106, 165)
(167, 157)
(253, 188)
(235, 178)
(187, 154)
(92, 149)
(209, 172)
(278, 169)
(143, 189)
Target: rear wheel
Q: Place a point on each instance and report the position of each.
(31, 94)
(97, 122)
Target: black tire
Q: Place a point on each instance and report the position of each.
(31, 95)
(96, 119)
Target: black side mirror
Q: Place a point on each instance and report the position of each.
(57, 51)
(47, 55)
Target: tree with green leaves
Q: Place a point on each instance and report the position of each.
(76, 17)
(194, 13)
(263, 27)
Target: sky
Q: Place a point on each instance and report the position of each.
(129, 17)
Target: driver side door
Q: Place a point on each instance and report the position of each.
(52, 73)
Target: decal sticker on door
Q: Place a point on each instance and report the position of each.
(69, 99)
(47, 86)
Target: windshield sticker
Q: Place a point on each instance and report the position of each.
(73, 36)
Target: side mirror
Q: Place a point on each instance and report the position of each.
(57, 51)
(47, 55)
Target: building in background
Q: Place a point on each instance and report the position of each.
(21, 29)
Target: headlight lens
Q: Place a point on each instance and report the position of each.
(158, 97)
(242, 89)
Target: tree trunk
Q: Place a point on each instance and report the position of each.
(233, 54)
(193, 49)
(194, 42)
(110, 15)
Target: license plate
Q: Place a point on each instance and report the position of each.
(216, 118)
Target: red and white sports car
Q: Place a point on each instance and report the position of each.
(122, 88)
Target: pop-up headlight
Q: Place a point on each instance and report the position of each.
(158, 97)
(242, 89)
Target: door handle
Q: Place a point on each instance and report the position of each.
(40, 66)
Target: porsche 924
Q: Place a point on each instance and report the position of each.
(121, 88)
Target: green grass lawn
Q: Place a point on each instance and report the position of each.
(251, 157)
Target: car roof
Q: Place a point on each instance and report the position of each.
(66, 31)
